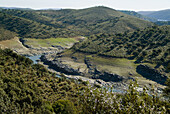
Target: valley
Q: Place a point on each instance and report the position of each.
(96, 60)
(103, 71)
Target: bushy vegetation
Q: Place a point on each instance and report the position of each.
(27, 87)
(101, 101)
(31, 88)
(96, 20)
(133, 13)
(149, 45)
(161, 15)
(6, 34)
(28, 28)
(167, 89)
(68, 22)
(34, 16)
(162, 23)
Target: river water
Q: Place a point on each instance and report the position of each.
(37, 57)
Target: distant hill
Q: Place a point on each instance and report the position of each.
(28, 28)
(149, 45)
(145, 12)
(162, 23)
(95, 20)
(15, 8)
(70, 22)
(160, 15)
(133, 13)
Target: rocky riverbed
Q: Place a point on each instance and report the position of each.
(86, 70)
(95, 76)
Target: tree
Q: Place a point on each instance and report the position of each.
(64, 107)
(167, 89)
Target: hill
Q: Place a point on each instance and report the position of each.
(160, 15)
(70, 22)
(148, 45)
(145, 12)
(133, 13)
(31, 88)
(96, 20)
(30, 15)
(28, 28)
(162, 23)
(18, 8)
(6, 34)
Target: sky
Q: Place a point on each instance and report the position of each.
(134, 5)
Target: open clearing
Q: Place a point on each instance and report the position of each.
(64, 42)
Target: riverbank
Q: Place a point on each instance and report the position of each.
(121, 83)
(80, 68)
(32, 47)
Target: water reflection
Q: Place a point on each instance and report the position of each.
(35, 58)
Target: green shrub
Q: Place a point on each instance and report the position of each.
(64, 107)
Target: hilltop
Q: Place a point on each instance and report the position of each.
(133, 13)
(160, 15)
(27, 28)
(96, 20)
(148, 45)
(69, 22)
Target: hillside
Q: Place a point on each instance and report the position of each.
(110, 56)
(96, 20)
(31, 88)
(31, 15)
(160, 15)
(162, 23)
(148, 45)
(6, 34)
(70, 22)
(28, 28)
(133, 13)
(145, 12)
(18, 8)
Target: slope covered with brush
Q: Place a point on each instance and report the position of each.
(162, 23)
(30, 88)
(86, 22)
(161, 15)
(148, 45)
(6, 34)
(133, 13)
(28, 28)
(96, 20)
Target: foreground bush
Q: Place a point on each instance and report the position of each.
(30, 88)
(101, 101)
(64, 107)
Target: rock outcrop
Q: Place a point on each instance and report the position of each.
(107, 77)
(151, 74)
(58, 66)
(93, 72)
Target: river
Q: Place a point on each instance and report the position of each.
(37, 57)
(35, 61)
